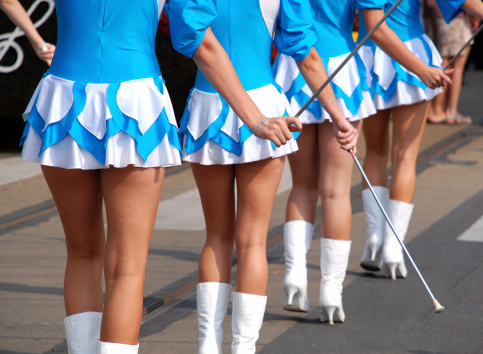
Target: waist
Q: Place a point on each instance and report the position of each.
(329, 45)
(250, 79)
(104, 64)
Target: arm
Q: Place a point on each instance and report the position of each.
(215, 64)
(20, 18)
(389, 42)
(473, 7)
(314, 73)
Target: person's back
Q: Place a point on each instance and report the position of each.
(102, 41)
(245, 29)
(333, 25)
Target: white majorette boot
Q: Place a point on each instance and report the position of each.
(392, 253)
(247, 319)
(211, 304)
(372, 255)
(334, 257)
(116, 348)
(82, 332)
(297, 238)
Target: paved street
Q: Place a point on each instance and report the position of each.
(445, 239)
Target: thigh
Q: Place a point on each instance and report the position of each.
(408, 129)
(257, 184)
(216, 185)
(78, 197)
(376, 132)
(335, 166)
(131, 196)
(304, 162)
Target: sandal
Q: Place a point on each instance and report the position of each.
(458, 119)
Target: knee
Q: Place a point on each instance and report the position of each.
(306, 185)
(402, 158)
(246, 245)
(91, 252)
(332, 195)
(379, 150)
(115, 271)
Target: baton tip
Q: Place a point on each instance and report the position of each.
(438, 308)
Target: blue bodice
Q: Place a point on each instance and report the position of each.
(405, 20)
(246, 30)
(333, 25)
(243, 33)
(103, 41)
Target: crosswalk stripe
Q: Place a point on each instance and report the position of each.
(474, 233)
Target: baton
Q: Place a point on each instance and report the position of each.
(349, 57)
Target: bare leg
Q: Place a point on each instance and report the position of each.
(304, 195)
(78, 196)
(408, 128)
(376, 135)
(335, 184)
(440, 101)
(257, 184)
(131, 196)
(216, 186)
(455, 89)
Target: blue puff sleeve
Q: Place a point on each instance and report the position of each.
(370, 4)
(295, 35)
(450, 8)
(188, 21)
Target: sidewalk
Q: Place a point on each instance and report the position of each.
(448, 202)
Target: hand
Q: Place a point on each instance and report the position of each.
(279, 130)
(46, 52)
(435, 77)
(346, 135)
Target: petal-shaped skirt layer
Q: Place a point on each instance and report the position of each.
(392, 84)
(212, 134)
(349, 85)
(92, 126)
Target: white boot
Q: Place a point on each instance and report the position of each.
(392, 253)
(372, 255)
(297, 237)
(334, 257)
(116, 348)
(82, 331)
(212, 304)
(247, 319)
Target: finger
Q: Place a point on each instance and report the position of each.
(265, 133)
(281, 137)
(446, 77)
(286, 132)
(292, 121)
(347, 135)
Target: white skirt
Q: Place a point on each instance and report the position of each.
(212, 134)
(93, 126)
(349, 85)
(392, 84)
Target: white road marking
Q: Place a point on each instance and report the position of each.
(15, 169)
(474, 233)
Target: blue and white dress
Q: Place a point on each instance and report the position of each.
(103, 101)
(392, 84)
(333, 24)
(210, 132)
